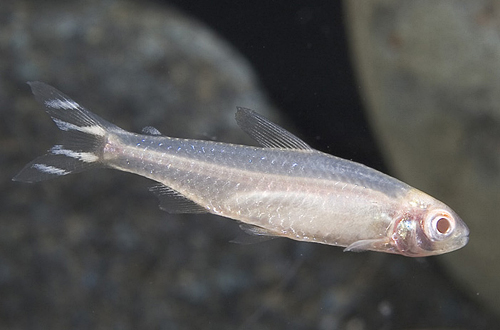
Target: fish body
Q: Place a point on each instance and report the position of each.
(284, 188)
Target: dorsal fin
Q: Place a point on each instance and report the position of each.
(267, 133)
(150, 130)
(173, 201)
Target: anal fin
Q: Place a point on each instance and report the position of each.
(173, 201)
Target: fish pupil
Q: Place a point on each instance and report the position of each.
(443, 225)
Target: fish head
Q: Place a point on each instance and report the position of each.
(428, 227)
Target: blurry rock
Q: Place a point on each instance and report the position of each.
(94, 250)
(429, 72)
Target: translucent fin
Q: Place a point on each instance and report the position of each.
(84, 135)
(267, 133)
(258, 231)
(172, 201)
(378, 244)
(150, 130)
(254, 234)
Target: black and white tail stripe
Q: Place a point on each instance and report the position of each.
(84, 136)
(87, 157)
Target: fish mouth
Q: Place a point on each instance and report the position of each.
(465, 240)
(460, 242)
(455, 244)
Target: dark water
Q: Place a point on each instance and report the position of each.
(299, 50)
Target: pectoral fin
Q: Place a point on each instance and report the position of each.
(378, 244)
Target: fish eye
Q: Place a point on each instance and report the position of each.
(442, 225)
(439, 224)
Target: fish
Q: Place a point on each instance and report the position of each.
(281, 188)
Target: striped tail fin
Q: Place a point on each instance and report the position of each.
(84, 136)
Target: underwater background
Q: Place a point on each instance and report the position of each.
(409, 88)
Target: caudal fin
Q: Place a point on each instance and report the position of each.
(84, 136)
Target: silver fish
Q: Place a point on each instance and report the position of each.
(284, 188)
